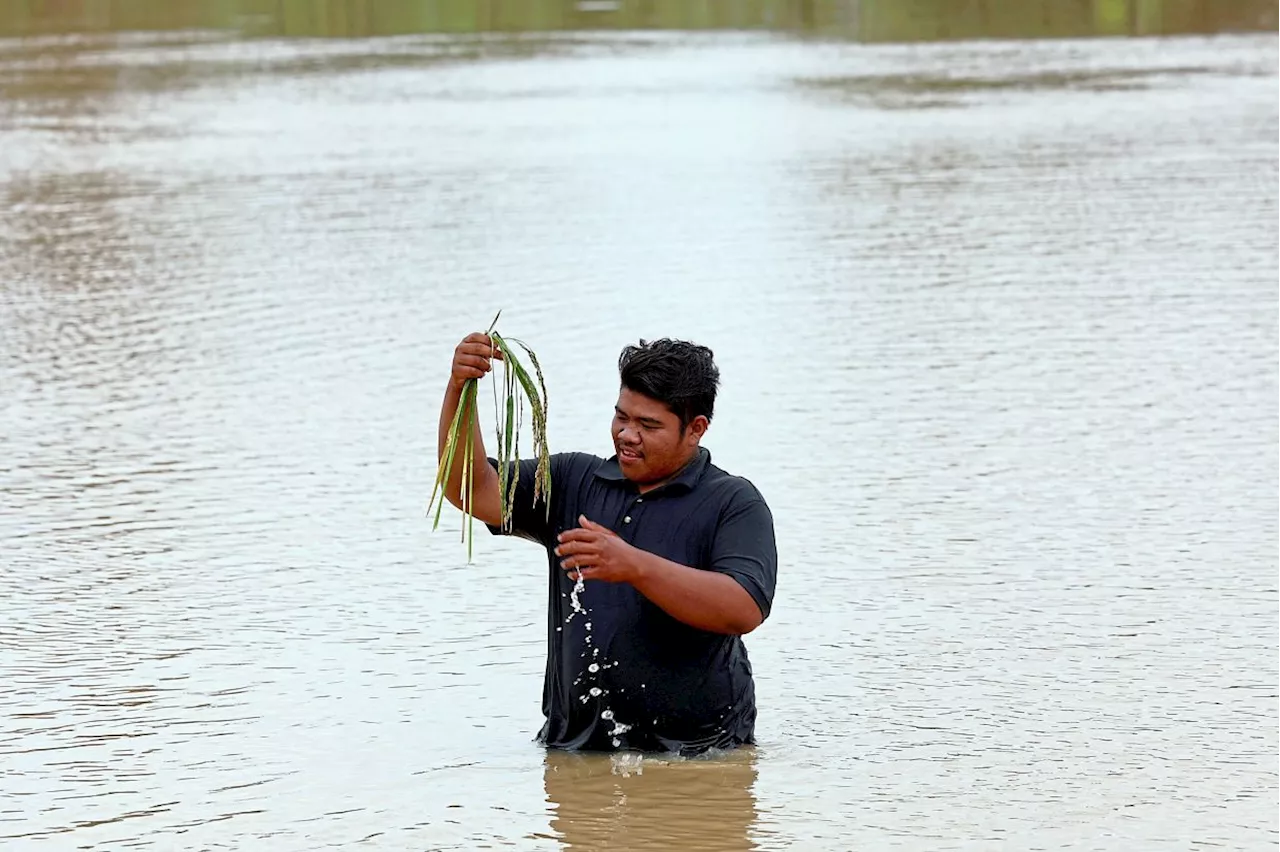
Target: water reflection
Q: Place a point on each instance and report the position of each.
(623, 801)
(865, 20)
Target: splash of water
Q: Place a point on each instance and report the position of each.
(575, 601)
(627, 764)
(619, 728)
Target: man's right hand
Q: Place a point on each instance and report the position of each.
(472, 359)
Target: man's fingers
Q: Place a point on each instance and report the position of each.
(479, 343)
(478, 350)
(577, 548)
(579, 534)
(474, 361)
(578, 563)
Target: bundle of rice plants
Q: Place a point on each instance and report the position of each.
(518, 391)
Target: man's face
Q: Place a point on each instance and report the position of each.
(648, 439)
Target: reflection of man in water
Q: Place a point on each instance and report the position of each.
(677, 557)
(706, 805)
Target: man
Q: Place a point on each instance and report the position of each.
(677, 560)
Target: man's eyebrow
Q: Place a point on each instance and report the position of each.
(655, 421)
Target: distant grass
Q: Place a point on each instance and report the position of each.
(518, 390)
(938, 90)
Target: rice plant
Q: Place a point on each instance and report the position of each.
(518, 391)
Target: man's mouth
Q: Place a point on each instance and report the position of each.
(627, 455)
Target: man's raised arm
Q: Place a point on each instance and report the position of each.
(472, 359)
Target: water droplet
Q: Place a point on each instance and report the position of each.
(595, 690)
(593, 668)
(616, 742)
(608, 714)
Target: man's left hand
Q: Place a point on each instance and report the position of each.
(597, 553)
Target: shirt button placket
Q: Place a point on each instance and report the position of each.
(637, 502)
(627, 519)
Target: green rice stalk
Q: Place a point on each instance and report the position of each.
(544, 459)
(469, 487)
(512, 393)
(465, 402)
(464, 491)
(497, 406)
(506, 443)
(542, 479)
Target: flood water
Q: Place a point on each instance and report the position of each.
(997, 323)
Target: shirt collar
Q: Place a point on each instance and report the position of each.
(686, 480)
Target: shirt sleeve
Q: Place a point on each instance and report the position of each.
(529, 520)
(746, 550)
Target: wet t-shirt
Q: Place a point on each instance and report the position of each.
(621, 673)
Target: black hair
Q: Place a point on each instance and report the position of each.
(681, 375)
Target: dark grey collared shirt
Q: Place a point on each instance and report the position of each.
(621, 673)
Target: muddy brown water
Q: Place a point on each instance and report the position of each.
(997, 324)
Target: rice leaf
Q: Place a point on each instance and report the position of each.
(466, 400)
(469, 487)
(508, 445)
(544, 460)
(441, 472)
(464, 491)
(509, 499)
(533, 359)
(542, 480)
(503, 436)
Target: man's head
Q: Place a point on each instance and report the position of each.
(664, 407)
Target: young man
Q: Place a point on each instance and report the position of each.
(677, 558)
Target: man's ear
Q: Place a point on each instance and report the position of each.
(697, 428)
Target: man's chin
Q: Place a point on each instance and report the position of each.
(633, 469)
